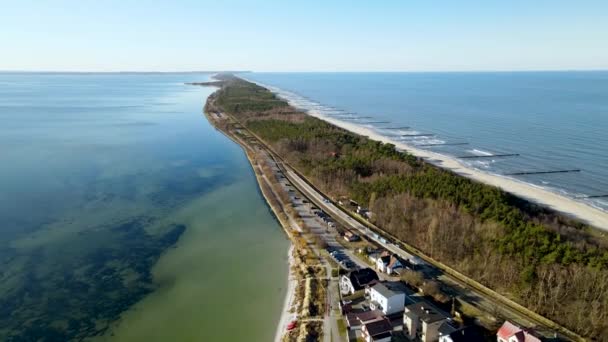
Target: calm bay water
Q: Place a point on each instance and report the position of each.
(553, 120)
(126, 216)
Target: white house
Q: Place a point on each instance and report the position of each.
(385, 299)
(389, 264)
(357, 280)
(421, 321)
(382, 262)
(377, 331)
(373, 257)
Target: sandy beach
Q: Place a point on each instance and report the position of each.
(286, 315)
(567, 206)
(581, 211)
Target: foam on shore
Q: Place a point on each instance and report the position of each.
(534, 193)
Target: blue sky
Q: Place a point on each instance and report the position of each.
(406, 35)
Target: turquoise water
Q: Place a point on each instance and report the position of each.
(120, 203)
(553, 120)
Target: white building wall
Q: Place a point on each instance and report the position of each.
(345, 285)
(395, 303)
(430, 332)
(411, 324)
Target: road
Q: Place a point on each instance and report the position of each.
(459, 289)
(331, 330)
(494, 304)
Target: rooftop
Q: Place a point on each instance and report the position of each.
(466, 334)
(425, 312)
(385, 291)
(509, 329)
(356, 318)
(362, 277)
(378, 327)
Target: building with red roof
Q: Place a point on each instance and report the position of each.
(510, 332)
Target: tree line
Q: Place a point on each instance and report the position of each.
(550, 263)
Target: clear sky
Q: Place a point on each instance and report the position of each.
(307, 35)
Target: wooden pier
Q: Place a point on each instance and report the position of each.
(444, 144)
(594, 196)
(490, 156)
(540, 172)
(402, 127)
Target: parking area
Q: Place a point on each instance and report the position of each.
(319, 223)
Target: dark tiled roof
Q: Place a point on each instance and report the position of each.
(378, 327)
(467, 334)
(426, 312)
(356, 318)
(381, 336)
(362, 277)
(385, 259)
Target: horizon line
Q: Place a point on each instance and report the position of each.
(293, 71)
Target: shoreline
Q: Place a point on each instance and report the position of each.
(569, 207)
(578, 210)
(286, 316)
(289, 300)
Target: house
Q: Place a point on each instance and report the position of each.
(389, 264)
(374, 256)
(449, 331)
(357, 280)
(382, 262)
(354, 320)
(386, 299)
(394, 265)
(377, 331)
(510, 332)
(350, 236)
(421, 322)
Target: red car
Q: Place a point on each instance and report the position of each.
(292, 325)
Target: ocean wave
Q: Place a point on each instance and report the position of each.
(479, 152)
(316, 109)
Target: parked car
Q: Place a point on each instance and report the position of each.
(292, 325)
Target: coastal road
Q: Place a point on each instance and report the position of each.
(331, 330)
(493, 305)
(457, 287)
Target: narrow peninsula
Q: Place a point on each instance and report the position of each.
(478, 254)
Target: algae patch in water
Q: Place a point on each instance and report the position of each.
(71, 291)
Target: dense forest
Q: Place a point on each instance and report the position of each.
(552, 264)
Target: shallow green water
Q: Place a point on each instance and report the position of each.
(125, 215)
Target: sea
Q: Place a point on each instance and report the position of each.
(513, 124)
(125, 216)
